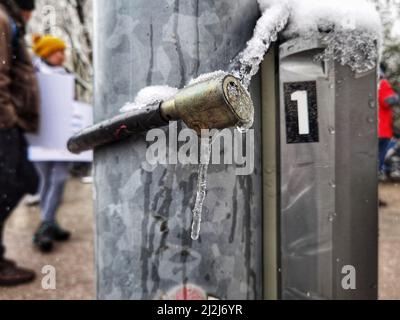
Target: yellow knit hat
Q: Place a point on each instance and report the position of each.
(45, 46)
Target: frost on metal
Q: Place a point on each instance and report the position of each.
(273, 20)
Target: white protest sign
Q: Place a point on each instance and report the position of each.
(60, 118)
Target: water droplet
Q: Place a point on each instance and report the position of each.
(332, 217)
(332, 184)
(372, 104)
(332, 130)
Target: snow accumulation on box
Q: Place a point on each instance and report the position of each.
(350, 30)
(310, 16)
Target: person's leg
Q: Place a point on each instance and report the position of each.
(49, 230)
(7, 205)
(12, 189)
(9, 188)
(10, 273)
(58, 177)
(2, 248)
(42, 239)
(33, 199)
(383, 149)
(44, 169)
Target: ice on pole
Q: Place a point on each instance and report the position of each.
(351, 31)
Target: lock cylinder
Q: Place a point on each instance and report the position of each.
(217, 103)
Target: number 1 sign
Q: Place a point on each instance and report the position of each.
(301, 109)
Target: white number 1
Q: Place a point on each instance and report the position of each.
(302, 107)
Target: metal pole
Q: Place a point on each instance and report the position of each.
(143, 218)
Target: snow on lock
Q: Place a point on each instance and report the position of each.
(157, 94)
(150, 96)
(208, 76)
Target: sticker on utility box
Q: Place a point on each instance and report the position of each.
(301, 109)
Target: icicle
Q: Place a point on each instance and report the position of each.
(205, 157)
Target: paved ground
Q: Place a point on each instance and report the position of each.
(389, 245)
(73, 261)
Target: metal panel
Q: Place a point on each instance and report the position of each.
(143, 219)
(271, 138)
(328, 184)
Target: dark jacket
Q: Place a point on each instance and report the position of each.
(19, 92)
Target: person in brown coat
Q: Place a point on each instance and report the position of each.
(19, 104)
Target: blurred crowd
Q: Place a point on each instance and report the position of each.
(20, 115)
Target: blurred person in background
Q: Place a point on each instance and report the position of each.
(19, 113)
(50, 58)
(388, 99)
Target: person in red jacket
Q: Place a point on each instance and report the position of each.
(388, 98)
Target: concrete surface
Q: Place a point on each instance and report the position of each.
(73, 260)
(389, 244)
